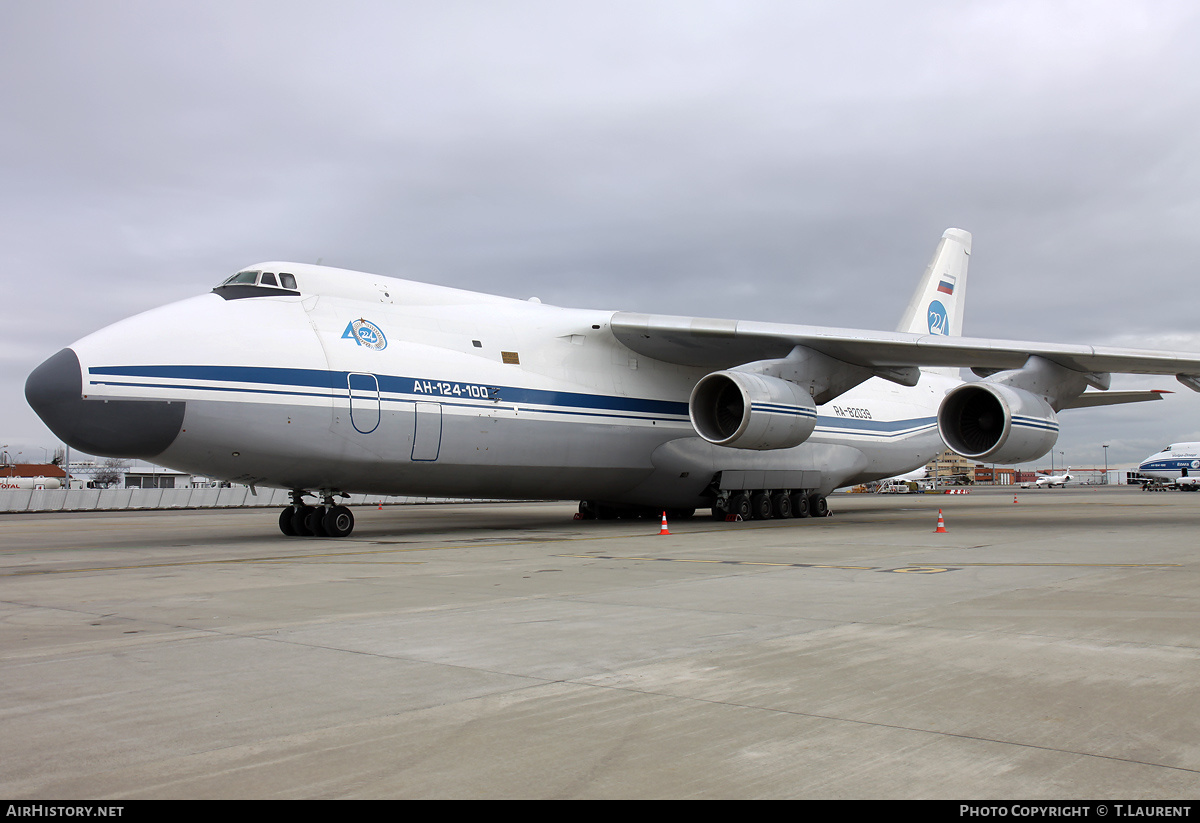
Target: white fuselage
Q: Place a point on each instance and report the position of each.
(362, 383)
(1176, 463)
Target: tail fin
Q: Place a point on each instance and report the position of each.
(937, 305)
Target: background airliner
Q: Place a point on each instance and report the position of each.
(325, 382)
(1049, 481)
(1177, 464)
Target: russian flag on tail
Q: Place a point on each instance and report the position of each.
(946, 285)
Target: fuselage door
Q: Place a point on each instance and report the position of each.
(364, 401)
(427, 434)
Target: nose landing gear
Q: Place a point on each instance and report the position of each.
(326, 520)
(338, 521)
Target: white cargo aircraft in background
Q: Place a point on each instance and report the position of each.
(326, 382)
(1177, 465)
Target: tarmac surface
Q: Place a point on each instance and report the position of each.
(1047, 648)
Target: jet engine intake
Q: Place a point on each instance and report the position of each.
(999, 424)
(751, 411)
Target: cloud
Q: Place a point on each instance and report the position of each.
(761, 160)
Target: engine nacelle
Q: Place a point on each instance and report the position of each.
(999, 424)
(751, 411)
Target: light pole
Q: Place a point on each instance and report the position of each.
(1105, 447)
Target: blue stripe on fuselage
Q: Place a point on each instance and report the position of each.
(334, 384)
(1169, 464)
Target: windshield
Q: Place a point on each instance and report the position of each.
(247, 277)
(264, 283)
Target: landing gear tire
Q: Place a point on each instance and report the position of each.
(300, 521)
(781, 505)
(800, 505)
(285, 522)
(314, 522)
(760, 506)
(338, 522)
(818, 506)
(739, 505)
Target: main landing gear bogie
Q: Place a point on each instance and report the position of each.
(766, 504)
(328, 520)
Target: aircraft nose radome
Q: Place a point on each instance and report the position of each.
(109, 428)
(54, 384)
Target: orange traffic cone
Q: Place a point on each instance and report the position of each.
(941, 529)
(663, 530)
(1014, 497)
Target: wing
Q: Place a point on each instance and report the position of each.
(722, 344)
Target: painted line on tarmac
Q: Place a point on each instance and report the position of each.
(1085, 565)
(898, 570)
(179, 563)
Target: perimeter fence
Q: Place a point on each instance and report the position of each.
(71, 500)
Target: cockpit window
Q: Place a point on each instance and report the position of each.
(254, 283)
(246, 277)
(1169, 448)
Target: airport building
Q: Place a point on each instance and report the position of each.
(995, 475)
(951, 468)
(137, 474)
(156, 477)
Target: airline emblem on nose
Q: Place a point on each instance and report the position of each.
(365, 333)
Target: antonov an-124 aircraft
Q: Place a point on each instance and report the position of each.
(326, 382)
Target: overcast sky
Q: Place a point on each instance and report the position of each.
(784, 161)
